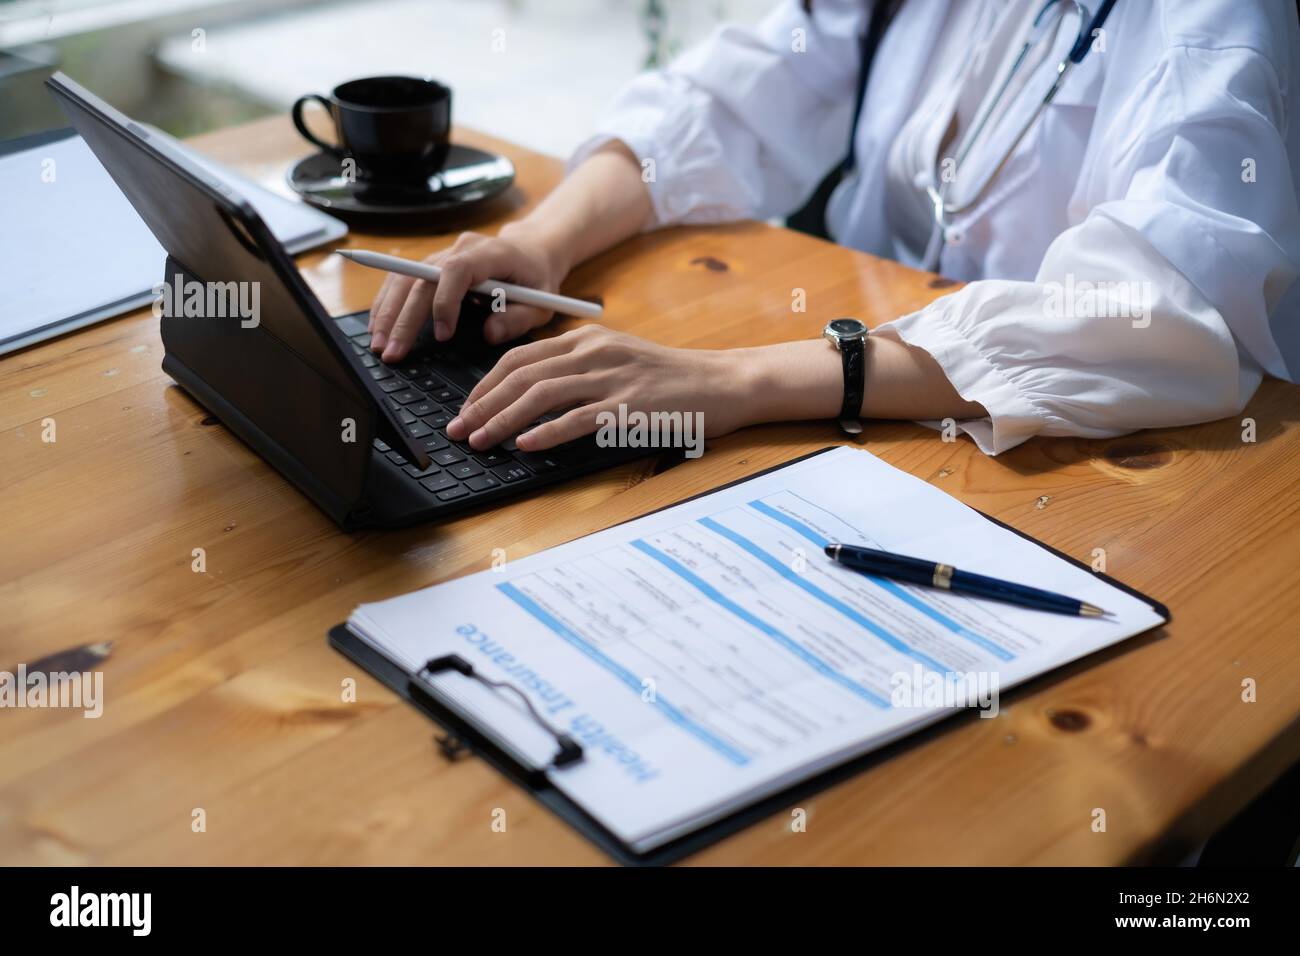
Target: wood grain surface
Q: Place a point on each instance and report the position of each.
(221, 693)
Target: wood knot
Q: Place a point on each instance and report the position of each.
(710, 263)
(1139, 455)
(667, 460)
(325, 714)
(1069, 720)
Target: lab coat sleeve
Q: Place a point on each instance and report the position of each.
(1153, 310)
(746, 124)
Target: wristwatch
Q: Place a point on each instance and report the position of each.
(850, 337)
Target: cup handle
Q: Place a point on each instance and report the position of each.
(307, 134)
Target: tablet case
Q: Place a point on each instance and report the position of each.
(463, 738)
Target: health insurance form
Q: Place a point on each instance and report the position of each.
(710, 654)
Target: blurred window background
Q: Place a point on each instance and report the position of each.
(538, 72)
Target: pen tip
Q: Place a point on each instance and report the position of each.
(1091, 610)
(345, 253)
(832, 550)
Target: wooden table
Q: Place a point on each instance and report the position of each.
(222, 694)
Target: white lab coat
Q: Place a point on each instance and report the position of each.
(1133, 265)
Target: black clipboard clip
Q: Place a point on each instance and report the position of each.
(454, 747)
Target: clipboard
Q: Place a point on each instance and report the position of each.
(462, 738)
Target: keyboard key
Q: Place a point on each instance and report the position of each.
(509, 445)
(367, 358)
(415, 471)
(391, 385)
(396, 458)
(363, 340)
(439, 482)
(419, 430)
(444, 395)
(460, 491)
(482, 483)
(465, 469)
(448, 456)
(425, 408)
(381, 445)
(438, 421)
(412, 370)
(493, 457)
(430, 383)
(511, 472)
(539, 461)
(381, 372)
(352, 325)
(406, 396)
(432, 443)
(406, 417)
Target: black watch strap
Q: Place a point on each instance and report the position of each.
(853, 356)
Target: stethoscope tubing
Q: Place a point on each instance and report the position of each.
(938, 193)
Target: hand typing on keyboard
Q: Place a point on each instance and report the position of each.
(591, 370)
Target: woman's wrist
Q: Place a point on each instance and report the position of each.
(805, 380)
(534, 235)
(792, 381)
(598, 205)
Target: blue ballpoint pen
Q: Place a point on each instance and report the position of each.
(899, 567)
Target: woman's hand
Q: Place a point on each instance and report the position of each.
(592, 370)
(404, 304)
(598, 205)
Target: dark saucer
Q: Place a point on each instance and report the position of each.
(470, 177)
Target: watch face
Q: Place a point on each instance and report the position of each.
(846, 328)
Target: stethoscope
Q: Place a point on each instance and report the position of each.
(1045, 28)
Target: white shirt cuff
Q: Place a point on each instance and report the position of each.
(1012, 417)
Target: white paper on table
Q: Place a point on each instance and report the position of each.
(73, 251)
(711, 654)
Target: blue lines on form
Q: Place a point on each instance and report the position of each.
(797, 579)
(709, 591)
(901, 593)
(622, 673)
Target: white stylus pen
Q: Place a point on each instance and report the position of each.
(515, 293)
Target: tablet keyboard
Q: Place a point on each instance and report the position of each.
(426, 391)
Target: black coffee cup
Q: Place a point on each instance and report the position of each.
(395, 127)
